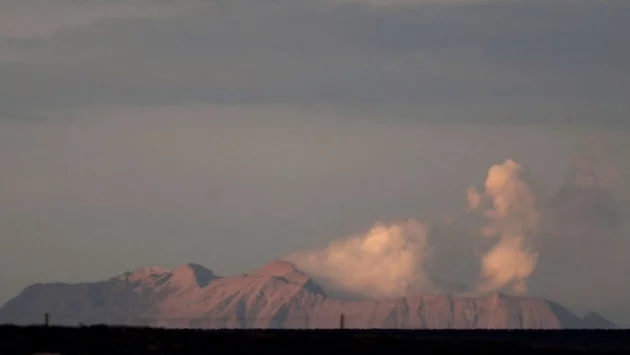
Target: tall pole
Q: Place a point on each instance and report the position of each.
(46, 319)
(342, 321)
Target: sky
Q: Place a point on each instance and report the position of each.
(228, 133)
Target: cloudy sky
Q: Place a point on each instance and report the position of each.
(231, 132)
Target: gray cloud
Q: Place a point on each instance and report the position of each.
(543, 54)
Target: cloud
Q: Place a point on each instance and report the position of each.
(512, 218)
(464, 63)
(21, 19)
(387, 261)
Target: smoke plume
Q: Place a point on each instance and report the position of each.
(509, 208)
(575, 236)
(387, 261)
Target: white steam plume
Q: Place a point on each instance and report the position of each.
(512, 217)
(387, 261)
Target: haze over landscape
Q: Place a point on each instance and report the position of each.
(355, 156)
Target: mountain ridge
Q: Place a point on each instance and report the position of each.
(277, 295)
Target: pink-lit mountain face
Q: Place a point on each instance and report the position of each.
(275, 296)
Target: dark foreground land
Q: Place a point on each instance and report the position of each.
(118, 340)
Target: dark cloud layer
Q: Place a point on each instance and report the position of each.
(515, 54)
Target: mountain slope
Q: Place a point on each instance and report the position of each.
(277, 295)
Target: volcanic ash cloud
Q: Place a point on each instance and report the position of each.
(387, 261)
(512, 219)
